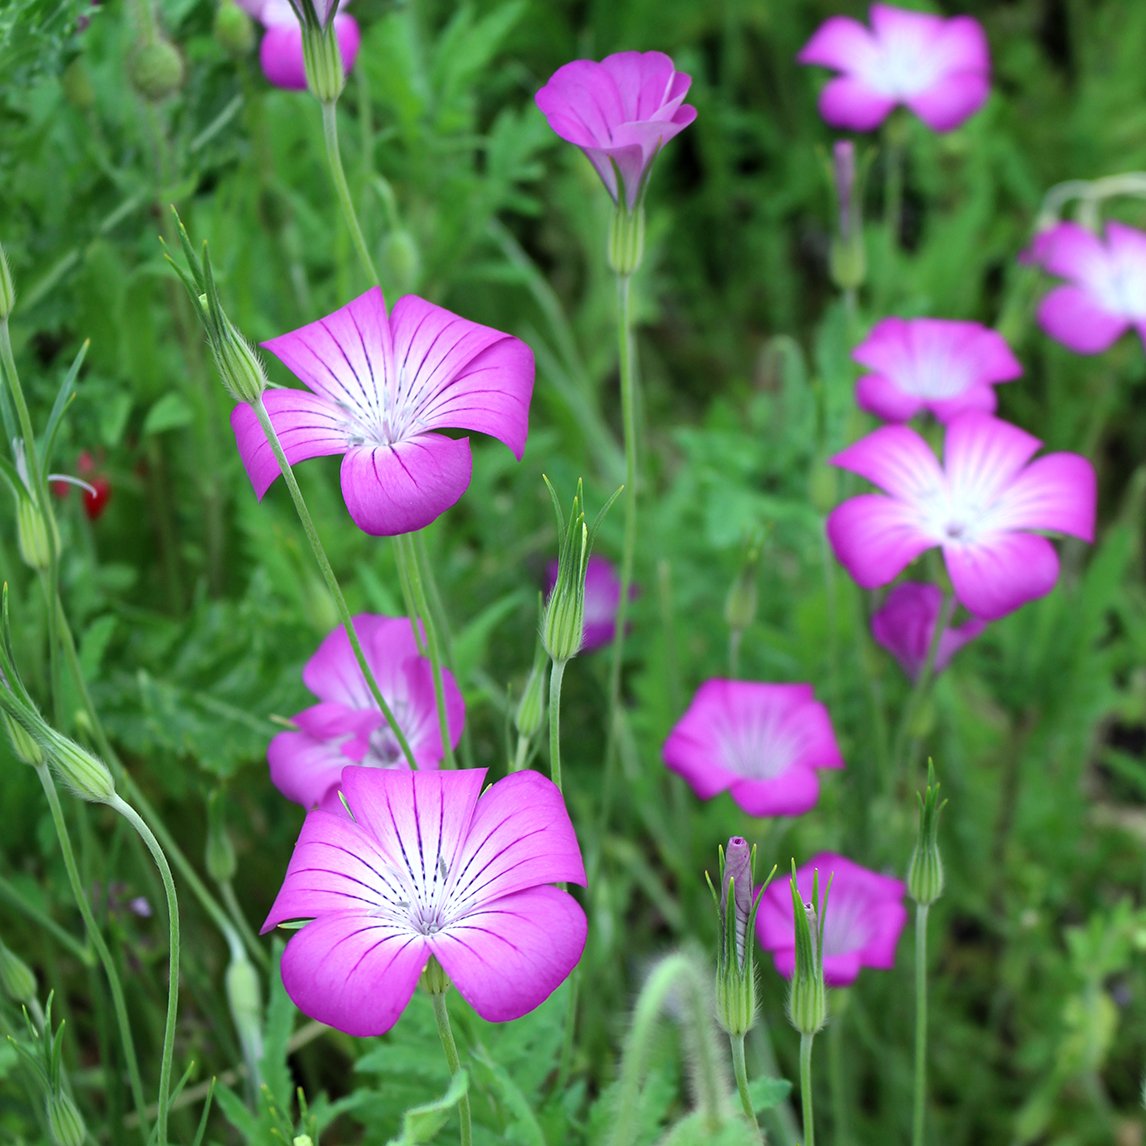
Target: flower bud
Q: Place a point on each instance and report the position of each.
(564, 627)
(847, 262)
(325, 74)
(530, 712)
(156, 70)
(239, 366)
(740, 604)
(36, 533)
(26, 750)
(244, 997)
(401, 261)
(925, 872)
(17, 980)
(65, 1123)
(86, 775)
(807, 996)
(221, 863)
(234, 30)
(7, 290)
(736, 968)
(626, 240)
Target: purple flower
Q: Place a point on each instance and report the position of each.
(947, 368)
(938, 68)
(379, 385)
(1107, 291)
(346, 727)
(280, 53)
(762, 742)
(978, 507)
(905, 626)
(862, 921)
(620, 112)
(602, 597)
(425, 868)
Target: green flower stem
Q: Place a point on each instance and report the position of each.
(446, 1034)
(7, 359)
(334, 157)
(235, 910)
(740, 1070)
(841, 1133)
(324, 566)
(556, 673)
(918, 1107)
(806, 1089)
(95, 937)
(148, 837)
(409, 556)
(521, 755)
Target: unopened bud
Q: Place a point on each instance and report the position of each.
(17, 979)
(77, 85)
(36, 534)
(244, 997)
(563, 630)
(736, 969)
(530, 712)
(740, 604)
(221, 863)
(234, 30)
(325, 74)
(925, 872)
(626, 240)
(808, 996)
(156, 70)
(65, 1123)
(401, 262)
(27, 751)
(86, 775)
(239, 366)
(7, 290)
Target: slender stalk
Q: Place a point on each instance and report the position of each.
(236, 912)
(740, 1070)
(921, 910)
(46, 923)
(334, 158)
(327, 571)
(521, 755)
(806, 1089)
(446, 1034)
(556, 673)
(95, 937)
(409, 555)
(7, 359)
(148, 837)
(841, 1135)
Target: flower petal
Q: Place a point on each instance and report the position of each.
(305, 768)
(1058, 491)
(1081, 322)
(1073, 252)
(841, 43)
(953, 98)
(333, 674)
(509, 956)
(792, 793)
(875, 538)
(852, 103)
(883, 398)
(895, 458)
(403, 487)
(1001, 572)
(353, 972)
(983, 457)
(307, 426)
(457, 374)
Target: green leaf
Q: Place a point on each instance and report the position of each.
(280, 1018)
(766, 1093)
(421, 1123)
(171, 412)
(94, 644)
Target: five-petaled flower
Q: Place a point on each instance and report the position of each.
(761, 742)
(905, 626)
(380, 385)
(939, 68)
(422, 867)
(280, 52)
(979, 506)
(862, 922)
(934, 364)
(346, 727)
(1106, 294)
(620, 112)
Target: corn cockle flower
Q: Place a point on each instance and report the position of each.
(427, 865)
(761, 742)
(280, 52)
(905, 626)
(862, 920)
(944, 367)
(1106, 294)
(379, 386)
(620, 112)
(346, 727)
(938, 68)
(980, 507)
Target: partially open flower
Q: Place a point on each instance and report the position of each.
(281, 54)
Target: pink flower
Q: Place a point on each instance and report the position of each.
(430, 866)
(862, 922)
(762, 742)
(380, 384)
(938, 68)
(602, 597)
(346, 727)
(280, 53)
(620, 112)
(979, 507)
(934, 364)
(1107, 291)
(905, 626)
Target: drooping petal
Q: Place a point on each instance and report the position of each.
(1058, 491)
(353, 972)
(520, 836)
(508, 957)
(404, 486)
(455, 374)
(308, 426)
(1073, 316)
(1001, 571)
(875, 538)
(852, 103)
(896, 459)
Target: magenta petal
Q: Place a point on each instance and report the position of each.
(947, 103)
(353, 972)
(850, 102)
(1001, 572)
(508, 957)
(883, 398)
(280, 55)
(841, 970)
(1058, 492)
(984, 456)
(1072, 316)
(457, 374)
(307, 426)
(404, 486)
(875, 538)
(978, 398)
(1073, 252)
(332, 674)
(841, 43)
(303, 768)
(895, 458)
(791, 794)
